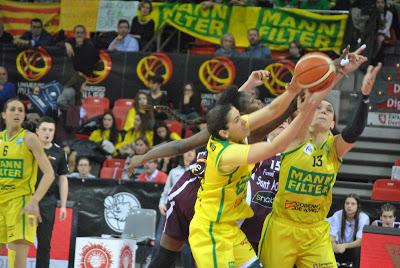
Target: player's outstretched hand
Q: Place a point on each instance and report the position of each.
(33, 212)
(137, 160)
(353, 60)
(258, 77)
(369, 79)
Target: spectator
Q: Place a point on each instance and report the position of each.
(82, 51)
(142, 100)
(285, 3)
(5, 38)
(385, 20)
(107, 135)
(152, 174)
(228, 46)
(123, 41)
(295, 51)
(141, 128)
(315, 4)
(69, 103)
(142, 27)
(163, 134)
(157, 97)
(346, 231)
(84, 168)
(256, 48)
(387, 217)
(140, 147)
(37, 36)
(7, 89)
(189, 104)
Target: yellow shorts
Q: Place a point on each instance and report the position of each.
(13, 224)
(284, 243)
(219, 245)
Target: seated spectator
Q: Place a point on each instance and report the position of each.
(124, 42)
(107, 135)
(142, 26)
(189, 104)
(295, 51)
(140, 147)
(84, 168)
(5, 38)
(69, 103)
(152, 174)
(286, 3)
(228, 46)
(7, 89)
(141, 128)
(256, 48)
(82, 51)
(387, 217)
(37, 36)
(157, 97)
(315, 4)
(346, 231)
(142, 100)
(163, 134)
(385, 20)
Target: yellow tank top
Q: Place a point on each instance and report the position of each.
(221, 197)
(18, 167)
(307, 175)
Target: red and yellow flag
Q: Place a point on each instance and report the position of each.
(17, 16)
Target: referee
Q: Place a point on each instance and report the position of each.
(45, 131)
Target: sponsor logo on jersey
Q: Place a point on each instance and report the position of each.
(117, 208)
(12, 168)
(308, 149)
(20, 141)
(309, 183)
(264, 198)
(294, 205)
(323, 265)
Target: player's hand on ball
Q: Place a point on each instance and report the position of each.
(369, 79)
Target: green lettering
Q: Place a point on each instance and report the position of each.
(322, 41)
(271, 17)
(189, 21)
(327, 29)
(216, 28)
(220, 12)
(201, 26)
(288, 22)
(309, 26)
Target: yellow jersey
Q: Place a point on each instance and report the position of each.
(221, 197)
(99, 136)
(307, 175)
(18, 167)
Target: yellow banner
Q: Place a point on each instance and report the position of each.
(17, 16)
(74, 12)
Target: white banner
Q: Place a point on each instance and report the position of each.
(110, 12)
(384, 119)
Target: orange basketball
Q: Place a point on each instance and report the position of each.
(315, 71)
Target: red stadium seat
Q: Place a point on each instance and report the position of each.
(82, 137)
(174, 126)
(120, 110)
(118, 163)
(111, 173)
(386, 190)
(95, 106)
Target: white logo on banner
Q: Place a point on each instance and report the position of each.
(117, 209)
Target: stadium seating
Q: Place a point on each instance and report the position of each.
(95, 106)
(114, 163)
(386, 190)
(111, 173)
(120, 110)
(174, 126)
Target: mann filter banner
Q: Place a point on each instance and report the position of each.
(121, 75)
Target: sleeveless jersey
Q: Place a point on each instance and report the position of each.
(307, 175)
(221, 197)
(18, 167)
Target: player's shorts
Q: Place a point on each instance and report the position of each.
(14, 225)
(285, 243)
(180, 208)
(219, 244)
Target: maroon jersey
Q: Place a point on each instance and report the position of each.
(260, 196)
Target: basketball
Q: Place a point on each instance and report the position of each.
(315, 71)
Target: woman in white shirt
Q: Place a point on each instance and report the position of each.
(346, 231)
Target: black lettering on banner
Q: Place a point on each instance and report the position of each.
(317, 161)
(5, 150)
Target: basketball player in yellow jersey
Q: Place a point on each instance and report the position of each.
(214, 236)
(296, 233)
(20, 155)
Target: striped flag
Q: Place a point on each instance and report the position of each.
(17, 16)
